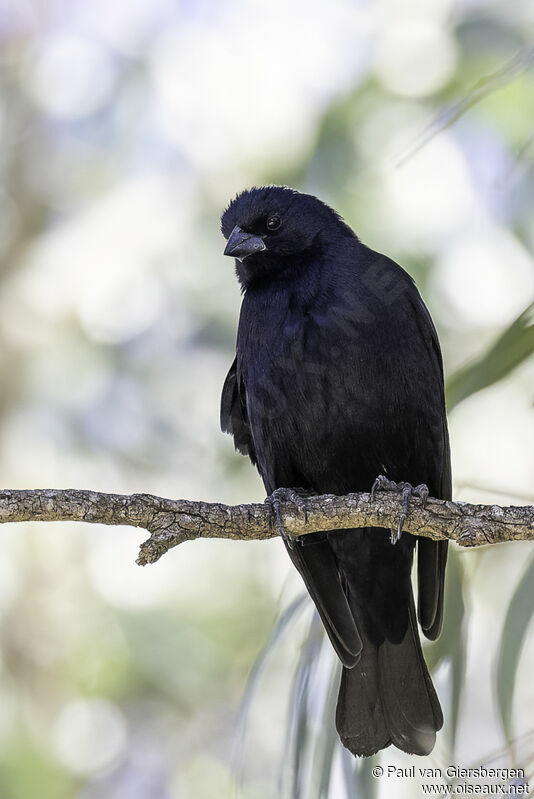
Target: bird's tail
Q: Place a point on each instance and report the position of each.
(388, 697)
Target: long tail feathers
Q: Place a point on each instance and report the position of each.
(388, 697)
(360, 718)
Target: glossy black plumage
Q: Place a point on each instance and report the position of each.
(338, 378)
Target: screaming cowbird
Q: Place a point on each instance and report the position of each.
(338, 378)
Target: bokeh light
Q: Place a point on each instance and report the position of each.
(70, 76)
(415, 59)
(89, 735)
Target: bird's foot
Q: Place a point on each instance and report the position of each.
(275, 500)
(406, 490)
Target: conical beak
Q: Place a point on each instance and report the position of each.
(241, 244)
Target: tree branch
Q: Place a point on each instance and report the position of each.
(171, 522)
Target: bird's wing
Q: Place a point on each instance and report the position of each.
(234, 418)
(318, 568)
(432, 555)
(315, 563)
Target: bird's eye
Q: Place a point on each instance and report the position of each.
(274, 222)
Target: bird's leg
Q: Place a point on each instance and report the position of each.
(275, 500)
(406, 490)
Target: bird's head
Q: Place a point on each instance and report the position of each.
(270, 228)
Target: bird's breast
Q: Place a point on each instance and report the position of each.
(294, 373)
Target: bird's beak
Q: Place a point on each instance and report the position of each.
(241, 244)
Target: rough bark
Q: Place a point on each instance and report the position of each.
(171, 522)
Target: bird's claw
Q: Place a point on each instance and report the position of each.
(382, 484)
(406, 490)
(275, 500)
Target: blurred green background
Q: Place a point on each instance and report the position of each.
(125, 129)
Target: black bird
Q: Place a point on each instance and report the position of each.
(338, 378)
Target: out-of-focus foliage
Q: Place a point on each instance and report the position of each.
(515, 345)
(516, 623)
(125, 129)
